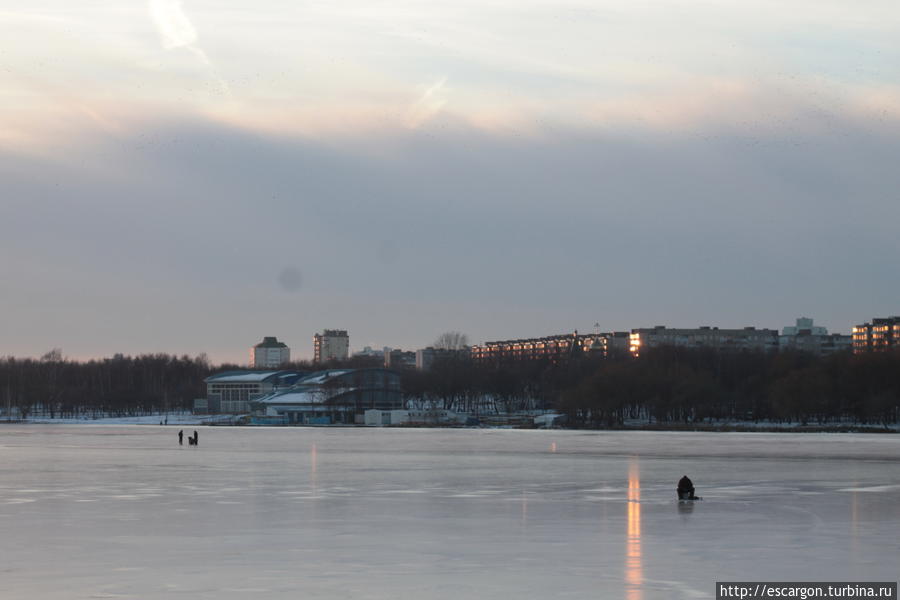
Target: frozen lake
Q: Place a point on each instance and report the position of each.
(124, 512)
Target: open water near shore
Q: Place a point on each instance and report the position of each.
(125, 512)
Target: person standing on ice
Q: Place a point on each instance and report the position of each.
(181, 438)
(195, 437)
(686, 489)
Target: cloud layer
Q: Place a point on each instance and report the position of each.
(187, 177)
(195, 237)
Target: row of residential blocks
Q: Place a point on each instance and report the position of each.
(622, 343)
(878, 335)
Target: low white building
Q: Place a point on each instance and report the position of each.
(382, 418)
(386, 418)
(549, 420)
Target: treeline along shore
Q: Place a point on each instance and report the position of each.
(664, 387)
(671, 387)
(122, 386)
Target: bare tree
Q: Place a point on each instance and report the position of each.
(451, 340)
(53, 356)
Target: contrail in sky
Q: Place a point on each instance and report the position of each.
(429, 104)
(176, 31)
(174, 27)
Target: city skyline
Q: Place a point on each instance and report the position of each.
(185, 177)
(361, 350)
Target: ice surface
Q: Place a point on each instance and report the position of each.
(124, 512)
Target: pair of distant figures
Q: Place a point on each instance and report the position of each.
(192, 441)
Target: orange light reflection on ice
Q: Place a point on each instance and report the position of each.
(634, 572)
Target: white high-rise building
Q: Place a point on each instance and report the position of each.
(804, 326)
(269, 354)
(807, 337)
(331, 344)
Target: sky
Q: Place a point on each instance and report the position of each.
(190, 176)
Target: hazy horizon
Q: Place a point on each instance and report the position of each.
(188, 177)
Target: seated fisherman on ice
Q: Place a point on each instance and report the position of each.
(686, 489)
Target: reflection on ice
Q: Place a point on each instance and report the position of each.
(634, 574)
(524, 508)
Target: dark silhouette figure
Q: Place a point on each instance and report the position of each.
(181, 438)
(686, 489)
(195, 437)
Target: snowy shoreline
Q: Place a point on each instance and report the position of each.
(170, 419)
(725, 426)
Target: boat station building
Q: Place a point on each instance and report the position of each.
(232, 391)
(336, 396)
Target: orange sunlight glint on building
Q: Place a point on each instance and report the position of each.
(634, 573)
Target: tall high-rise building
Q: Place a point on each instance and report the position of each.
(877, 336)
(331, 344)
(269, 354)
